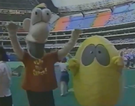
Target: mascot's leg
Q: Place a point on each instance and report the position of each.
(41, 98)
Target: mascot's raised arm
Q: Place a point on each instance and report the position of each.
(39, 81)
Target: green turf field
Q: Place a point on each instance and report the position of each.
(20, 99)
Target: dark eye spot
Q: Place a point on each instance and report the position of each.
(47, 13)
(36, 13)
(99, 52)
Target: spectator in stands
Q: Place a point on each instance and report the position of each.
(64, 78)
(128, 60)
(129, 57)
(124, 17)
(131, 60)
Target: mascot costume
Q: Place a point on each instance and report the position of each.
(39, 80)
(97, 72)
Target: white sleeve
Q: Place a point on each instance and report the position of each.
(4, 70)
(8, 70)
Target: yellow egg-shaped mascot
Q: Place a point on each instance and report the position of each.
(97, 69)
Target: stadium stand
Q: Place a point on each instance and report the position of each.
(119, 35)
(13, 17)
(120, 14)
(120, 9)
(61, 24)
(121, 20)
(102, 19)
(15, 4)
(88, 21)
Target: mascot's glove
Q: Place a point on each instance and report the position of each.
(12, 29)
(12, 32)
(71, 43)
(73, 66)
(75, 34)
(118, 60)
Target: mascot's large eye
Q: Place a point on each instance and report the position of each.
(46, 15)
(102, 55)
(88, 55)
(36, 15)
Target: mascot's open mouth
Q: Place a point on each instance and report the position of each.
(38, 22)
(36, 49)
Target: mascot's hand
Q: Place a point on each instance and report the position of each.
(118, 62)
(76, 33)
(12, 28)
(73, 65)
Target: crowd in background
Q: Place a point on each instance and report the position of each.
(122, 18)
(92, 5)
(129, 57)
(127, 40)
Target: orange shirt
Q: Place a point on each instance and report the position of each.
(39, 73)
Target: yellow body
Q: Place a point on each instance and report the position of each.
(95, 84)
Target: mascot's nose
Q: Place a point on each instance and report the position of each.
(39, 33)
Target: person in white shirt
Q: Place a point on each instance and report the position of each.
(5, 80)
(64, 78)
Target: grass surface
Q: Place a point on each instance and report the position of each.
(20, 98)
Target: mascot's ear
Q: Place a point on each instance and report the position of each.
(26, 24)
